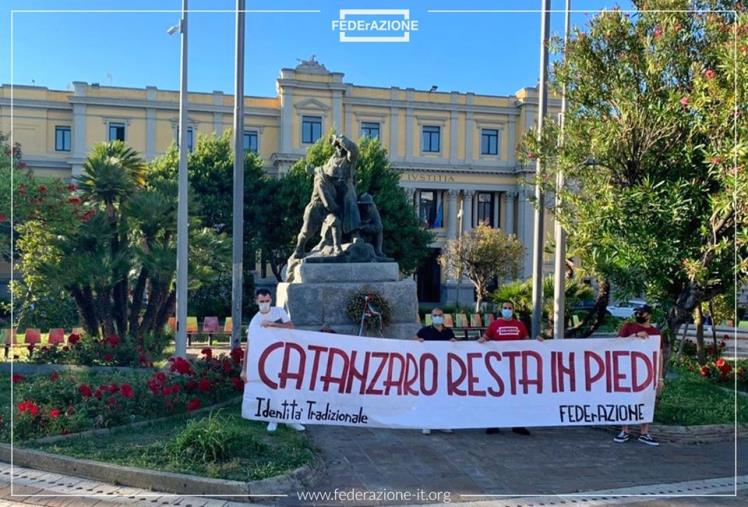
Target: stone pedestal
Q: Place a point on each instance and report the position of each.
(319, 295)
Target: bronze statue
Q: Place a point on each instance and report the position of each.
(333, 211)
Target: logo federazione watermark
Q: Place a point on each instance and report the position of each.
(375, 25)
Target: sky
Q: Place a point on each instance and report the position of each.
(487, 53)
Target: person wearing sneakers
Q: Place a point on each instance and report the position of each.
(641, 328)
(436, 332)
(268, 316)
(506, 327)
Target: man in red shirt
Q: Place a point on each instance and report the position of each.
(506, 327)
(642, 328)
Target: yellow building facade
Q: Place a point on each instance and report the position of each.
(455, 151)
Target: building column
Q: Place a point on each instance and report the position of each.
(79, 131)
(393, 151)
(411, 193)
(496, 198)
(525, 229)
(218, 116)
(467, 210)
(452, 214)
(409, 125)
(469, 127)
(337, 111)
(286, 126)
(509, 212)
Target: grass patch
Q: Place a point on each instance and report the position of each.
(250, 452)
(692, 400)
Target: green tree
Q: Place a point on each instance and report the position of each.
(658, 101)
(482, 255)
(117, 256)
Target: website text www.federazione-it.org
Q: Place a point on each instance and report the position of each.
(375, 496)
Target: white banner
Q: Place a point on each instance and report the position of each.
(319, 378)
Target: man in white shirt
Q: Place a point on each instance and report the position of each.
(268, 316)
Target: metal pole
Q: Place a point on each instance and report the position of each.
(539, 225)
(559, 264)
(459, 255)
(237, 268)
(182, 218)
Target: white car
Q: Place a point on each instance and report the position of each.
(625, 309)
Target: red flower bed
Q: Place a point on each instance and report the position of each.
(116, 398)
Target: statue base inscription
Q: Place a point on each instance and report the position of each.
(319, 295)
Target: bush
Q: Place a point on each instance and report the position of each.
(210, 440)
(88, 350)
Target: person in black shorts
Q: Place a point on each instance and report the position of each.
(436, 332)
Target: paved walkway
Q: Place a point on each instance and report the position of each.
(550, 461)
(467, 466)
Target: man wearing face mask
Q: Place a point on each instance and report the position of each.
(436, 332)
(268, 316)
(641, 328)
(506, 327)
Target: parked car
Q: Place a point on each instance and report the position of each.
(625, 309)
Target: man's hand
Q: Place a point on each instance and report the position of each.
(243, 376)
(642, 334)
(540, 338)
(453, 339)
(482, 339)
(419, 338)
(660, 387)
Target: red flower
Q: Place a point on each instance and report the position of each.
(704, 371)
(108, 358)
(29, 406)
(54, 413)
(181, 366)
(126, 390)
(72, 187)
(54, 376)
(88, 215)
(85, 391)
(657, 32)
(98, 393)
(3, 218)
(238, 383)
(719, 363)
(74, 338)
(709, 74)
(193, 404)
(113, 340)
(160, 376)
(207, 352)
(74, 200)
(236, 354)
(204, 385)
(716, 160)
(191, 385)
(17, 378)
(227, 367)
(42, 189)
(112, 401)
(684, 100)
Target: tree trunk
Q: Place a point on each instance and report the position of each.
(104, 305)
(478, 297)
(137, 301)
(167, 309)
(86, 308)
(596, 316)
(714, 328)
(155, 298)
(699, 321)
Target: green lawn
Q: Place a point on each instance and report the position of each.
(693, 400)
(254, 454)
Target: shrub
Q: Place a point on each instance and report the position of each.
(209, 440)
(87, 350)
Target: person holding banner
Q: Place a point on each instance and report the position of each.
(642, 328)
(267, 316)
(436, 332)
(506, 327)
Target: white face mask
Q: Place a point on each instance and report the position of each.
(264, 307)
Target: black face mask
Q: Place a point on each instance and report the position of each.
(641, 319)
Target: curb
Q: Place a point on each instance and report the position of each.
(701, 434)
(166, 482)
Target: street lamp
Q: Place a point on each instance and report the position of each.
(182, 223)
(459, 257)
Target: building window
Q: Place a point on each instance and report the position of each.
(62, 138)
(489, 142)
(250, 141)
(190, 138)
(485, 209)
(311, 129)
(370, 129)
(429, 210)
(117, 132)
(430, 139)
